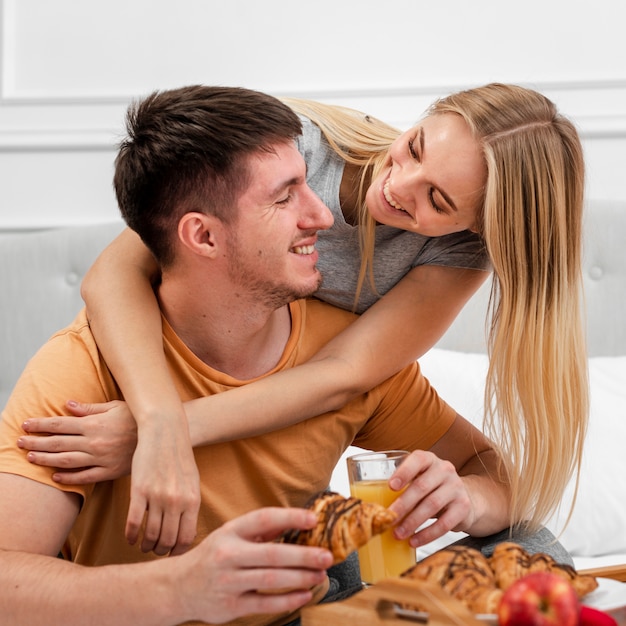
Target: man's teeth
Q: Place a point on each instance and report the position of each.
(389, 199)
(304, 249)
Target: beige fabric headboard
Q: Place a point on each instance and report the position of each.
(605, 289)
(40, 275)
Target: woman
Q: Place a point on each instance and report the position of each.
(490, 175)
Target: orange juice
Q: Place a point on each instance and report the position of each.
(383, 556)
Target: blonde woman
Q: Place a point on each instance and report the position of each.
(491, 178)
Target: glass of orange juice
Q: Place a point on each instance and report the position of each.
(383, 556)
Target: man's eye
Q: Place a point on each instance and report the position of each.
(285, 200)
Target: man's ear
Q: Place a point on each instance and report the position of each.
(200, 233)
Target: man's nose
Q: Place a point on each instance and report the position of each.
(316, 214)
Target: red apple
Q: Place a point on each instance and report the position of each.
(539, 599)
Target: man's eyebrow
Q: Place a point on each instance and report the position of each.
(443, 194)
(280, 187)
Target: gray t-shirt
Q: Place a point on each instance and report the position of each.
(396, 251)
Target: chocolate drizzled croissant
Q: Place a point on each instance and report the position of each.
(344, 524)
(479, 582)
(464, 573)
(510, 561)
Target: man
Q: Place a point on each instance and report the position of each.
(212, 181)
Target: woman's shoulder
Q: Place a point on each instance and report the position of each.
(311, 137)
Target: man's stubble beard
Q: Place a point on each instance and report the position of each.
(243, 272)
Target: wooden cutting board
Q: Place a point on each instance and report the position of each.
(375, 606)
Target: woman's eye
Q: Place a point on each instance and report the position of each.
(412, 150)
(284, 201)
(431, 197)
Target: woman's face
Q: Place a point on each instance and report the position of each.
(433, 180)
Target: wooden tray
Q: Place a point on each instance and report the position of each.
(616, 572)
(376, 606)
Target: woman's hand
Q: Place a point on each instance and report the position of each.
(432, 490)
(96, 444)
(100, 443)
(165, 489)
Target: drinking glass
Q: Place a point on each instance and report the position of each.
(383, 556)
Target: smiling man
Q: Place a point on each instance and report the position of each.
(212, 182)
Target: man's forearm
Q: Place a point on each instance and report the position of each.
(41, 590)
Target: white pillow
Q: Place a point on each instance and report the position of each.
(598, 523)
(459, 378)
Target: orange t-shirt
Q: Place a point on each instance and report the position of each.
(282, 468)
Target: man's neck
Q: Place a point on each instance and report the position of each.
(243, 340)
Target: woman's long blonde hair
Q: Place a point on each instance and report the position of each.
(360, 140)
(536, 395)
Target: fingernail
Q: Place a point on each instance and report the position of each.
(395, 484)
(25, 425)
(72, 403)
(20, 443)
(400, 532)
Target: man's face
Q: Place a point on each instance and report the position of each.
(271, 245)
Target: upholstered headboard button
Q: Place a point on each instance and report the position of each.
(596, 272)
(72, 278)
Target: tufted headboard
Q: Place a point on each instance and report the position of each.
(605, 289)
(40, 275)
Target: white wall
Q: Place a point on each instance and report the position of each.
(68, 69)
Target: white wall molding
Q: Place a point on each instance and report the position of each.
(71, 112)
(56, 141)
(69, 68)
(88, 123)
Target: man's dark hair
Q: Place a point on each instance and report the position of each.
(186, 151)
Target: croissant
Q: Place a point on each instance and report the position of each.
(464, 573)
(510, 562)
(344, 524)
(479, 582)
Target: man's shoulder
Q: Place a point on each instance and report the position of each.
(79, 326)
(318, 308)
(314, 324)
(68, 360)
(322, 321)
(76, 335)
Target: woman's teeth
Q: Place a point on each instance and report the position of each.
(389, 199)
(304, 249)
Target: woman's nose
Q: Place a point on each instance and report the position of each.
(405, 183)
